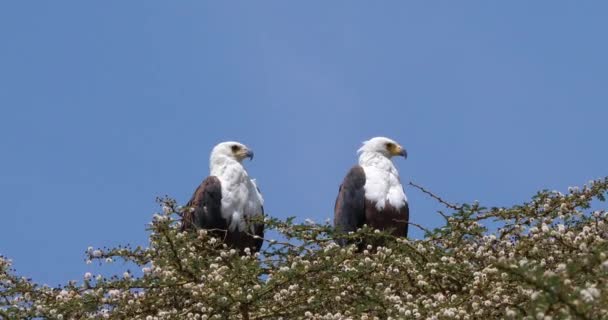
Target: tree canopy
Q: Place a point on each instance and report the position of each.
(544, 259)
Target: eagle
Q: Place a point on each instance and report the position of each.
(227, 200)
(371, 192)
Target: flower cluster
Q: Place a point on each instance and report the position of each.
(544, 259)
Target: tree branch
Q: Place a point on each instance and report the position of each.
(447, 204)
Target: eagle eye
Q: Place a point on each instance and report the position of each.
(389, 145)
(235, 148)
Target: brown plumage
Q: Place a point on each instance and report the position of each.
(389, 218)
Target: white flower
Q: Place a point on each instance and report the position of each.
(114, 293)
(535, 295)
(88, 276)
(96, 253)
(590, 294)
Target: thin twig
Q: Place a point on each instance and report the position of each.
(415, 225)
(177, 260)
(447, 204)
(443, 215)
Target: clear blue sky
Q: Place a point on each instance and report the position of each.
(106, 105)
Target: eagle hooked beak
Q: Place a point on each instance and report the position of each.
(401, 152)
(249, 154)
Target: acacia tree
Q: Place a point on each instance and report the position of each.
(544, 259)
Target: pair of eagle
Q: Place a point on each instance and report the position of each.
(225, 202)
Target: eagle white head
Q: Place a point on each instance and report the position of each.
(229, 151)
(383, 146)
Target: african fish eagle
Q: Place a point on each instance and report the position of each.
(227, 199)
(371, 192)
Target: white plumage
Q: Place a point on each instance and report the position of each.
(382, 182)
(240, 196)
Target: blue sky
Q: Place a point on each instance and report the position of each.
(106, 105)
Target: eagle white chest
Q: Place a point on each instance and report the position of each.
(382, 184)
(240, 197)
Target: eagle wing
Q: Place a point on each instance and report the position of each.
(204, 210)
(258, 230)
(349, 210)
(405, 212)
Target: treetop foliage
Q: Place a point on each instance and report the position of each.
(543, 259)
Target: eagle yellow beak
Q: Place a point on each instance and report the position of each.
(246, 153)
(399, 151)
